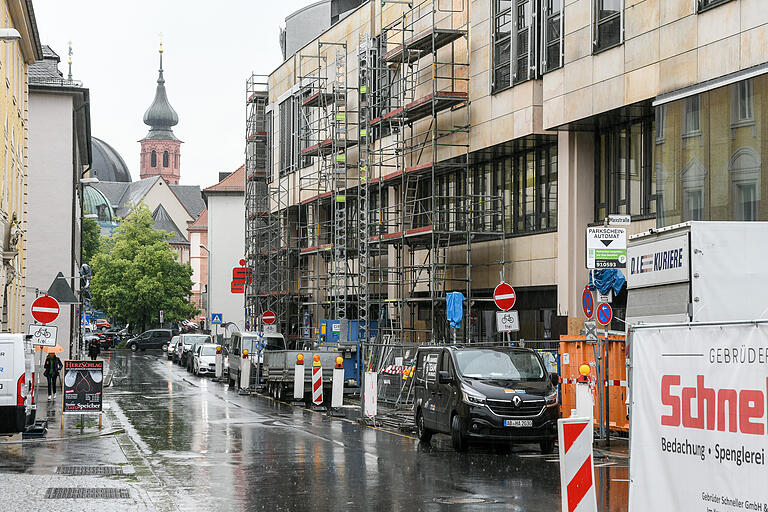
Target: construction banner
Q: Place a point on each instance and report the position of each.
(699, 403)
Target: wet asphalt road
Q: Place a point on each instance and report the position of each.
(208, 448)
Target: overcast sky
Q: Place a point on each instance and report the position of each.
(210, 50)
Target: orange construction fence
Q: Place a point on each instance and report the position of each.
(575, 351)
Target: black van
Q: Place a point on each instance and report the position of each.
(497, 394)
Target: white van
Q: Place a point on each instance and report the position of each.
(17, 384)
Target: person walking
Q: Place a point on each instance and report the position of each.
(94, 350)
(52, 368)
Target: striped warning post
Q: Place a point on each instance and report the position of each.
(317, 381)
(577, 469)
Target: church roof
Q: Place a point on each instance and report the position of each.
(191, 197)
(106, 163)
(163, 222)
(160, 116)
(122, 196)
(201, 224)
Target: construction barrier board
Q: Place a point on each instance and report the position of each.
(699, 405)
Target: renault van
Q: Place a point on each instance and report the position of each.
(499, 394)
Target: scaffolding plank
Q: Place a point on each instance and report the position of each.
(423, 43)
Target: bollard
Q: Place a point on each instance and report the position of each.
(577, 468)
(219, 363)
(370, 390)
(585, 399)
(245, 373)
(298, 380)
(337, 394)
(317, 382)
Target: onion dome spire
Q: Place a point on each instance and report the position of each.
(160, 116)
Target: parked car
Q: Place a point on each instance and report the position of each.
(171, 352)
(17, 384)
(185, 345)
(111, 337)
(153, 338)
(204, 359)
(102, 323)
(199, 339)
(500, 394)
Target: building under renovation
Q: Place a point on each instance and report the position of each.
(420, 148)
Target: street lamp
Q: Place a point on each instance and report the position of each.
(208, 287)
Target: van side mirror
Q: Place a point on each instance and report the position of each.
(555, 379)
(444, 378)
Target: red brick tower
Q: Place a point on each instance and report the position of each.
(160, 149)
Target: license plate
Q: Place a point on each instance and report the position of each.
(518, 423)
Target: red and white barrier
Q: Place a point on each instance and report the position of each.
(298, 378)
(317, 381)
(577, 468)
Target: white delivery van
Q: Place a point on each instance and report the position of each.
(17, 384)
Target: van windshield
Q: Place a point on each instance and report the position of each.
(499, 365)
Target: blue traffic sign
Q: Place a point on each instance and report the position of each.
(215, 318)
(604, 314)
(587, 303)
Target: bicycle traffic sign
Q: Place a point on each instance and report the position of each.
(43, 335)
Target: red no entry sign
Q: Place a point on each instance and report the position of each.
(504, 296)
(268, 317)
(45, 309)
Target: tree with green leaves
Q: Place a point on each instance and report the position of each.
(90, 241)
(136, 275)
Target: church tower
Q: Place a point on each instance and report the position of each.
(160, 149)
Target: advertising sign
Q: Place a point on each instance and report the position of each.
(661, 261)
(83, 386)
(699, 408)
(606, 247)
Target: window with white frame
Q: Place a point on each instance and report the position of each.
(608, 24)
(552, 33)
(661, 123)
(742, 110)
(692, 116)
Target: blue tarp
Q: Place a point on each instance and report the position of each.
(607, 279)
(455, 308)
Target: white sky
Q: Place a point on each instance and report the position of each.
(210, 50)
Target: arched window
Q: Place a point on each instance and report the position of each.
(165, 159)
(745, 168)
(153, 159)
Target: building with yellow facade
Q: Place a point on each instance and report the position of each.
(417, 149)
(17, 52)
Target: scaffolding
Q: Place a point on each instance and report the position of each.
(387, 210)
(328, 214)
(269, 251)
(421, 225)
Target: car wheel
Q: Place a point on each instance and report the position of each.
(458, 439)
(547, 447)
(422, 432)
(134, 348)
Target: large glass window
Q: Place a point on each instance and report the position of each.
(287, 148)
(624, 182)
(709, 165)
(608, 24)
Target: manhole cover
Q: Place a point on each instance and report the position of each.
(91, 493)
(462, 501)
(89, 470)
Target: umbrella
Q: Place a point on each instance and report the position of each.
(48, 350)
